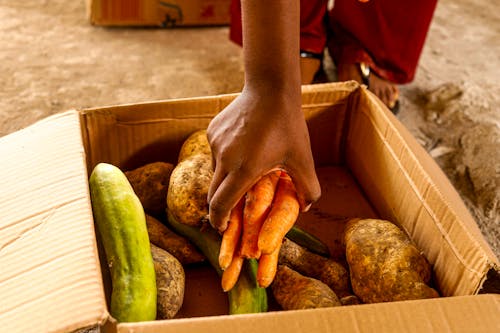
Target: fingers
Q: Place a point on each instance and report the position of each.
(218, 177)
(227, 191)
(307, 186)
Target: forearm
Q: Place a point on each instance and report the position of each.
(271, 35)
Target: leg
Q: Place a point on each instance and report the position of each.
(387, 35)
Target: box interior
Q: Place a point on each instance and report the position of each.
(368, 166)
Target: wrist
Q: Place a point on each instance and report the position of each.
(274, 77)
(275, 91)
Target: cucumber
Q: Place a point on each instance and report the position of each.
(246, 296)
(308, 241)
(121, 224)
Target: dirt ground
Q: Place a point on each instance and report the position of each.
(52, 60)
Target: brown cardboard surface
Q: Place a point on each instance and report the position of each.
(49, 272)
(417, 195)
(444, 315)
(368, 164)
(159, 13)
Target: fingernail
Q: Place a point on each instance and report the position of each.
(306, 208)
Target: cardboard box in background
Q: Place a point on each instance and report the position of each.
(159, 13)
(51, 279)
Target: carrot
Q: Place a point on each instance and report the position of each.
(282, 216)
(268, 265)
(231, 236)
(232, 273)
(257, 205)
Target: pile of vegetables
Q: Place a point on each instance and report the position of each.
(153, 224)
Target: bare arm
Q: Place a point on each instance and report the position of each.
(264, 128)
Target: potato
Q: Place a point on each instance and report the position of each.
(170, 283)
(293, 291)
(196, 143)
(313, 265)
(188, 190)
(150, 184)
(384, 264)
(166, 239)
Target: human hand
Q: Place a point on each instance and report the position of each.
(261, 130)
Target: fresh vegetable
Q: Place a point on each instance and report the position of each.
(188, 190)
(121, 224)
(180, 247)
(268, 265)
(281, 217)
(308, 241)
(384, 264)
(313, 265)
(150, 183)
(246, 296)
(231, 236)
(195, 144)
(293, 291)
(170, 283)
(231, 274)
(258, 202)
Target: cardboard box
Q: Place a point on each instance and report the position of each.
(369, 164)
(158, 13)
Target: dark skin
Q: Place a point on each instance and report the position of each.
(264, 128)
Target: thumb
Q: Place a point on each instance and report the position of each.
(307, 187)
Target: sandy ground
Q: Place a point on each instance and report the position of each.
(52, 60)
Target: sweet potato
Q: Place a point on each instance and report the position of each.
(293, 291)
(170, 283)
(188, 190)
(150, 184)
(384, 264)
(313, 265)
(177, 245)
(196, 143)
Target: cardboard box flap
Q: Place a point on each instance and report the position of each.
(440, 223)
(50, 278)
(450, 314)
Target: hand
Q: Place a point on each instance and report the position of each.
(259, 131)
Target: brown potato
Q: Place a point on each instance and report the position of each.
(384, 264)
(313, 265)
(170, 283)
(178, 246)
(293, 291)
(188, 190)
(196, 143)
(150, 183)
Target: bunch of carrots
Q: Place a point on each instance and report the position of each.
(256, 228)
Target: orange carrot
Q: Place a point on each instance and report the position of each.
(268, 265)
(257, 205)
(282, 216)
(232, 273)
(231, 236)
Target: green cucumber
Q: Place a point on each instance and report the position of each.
(308, 241)
(121, 224)
(246, 296)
